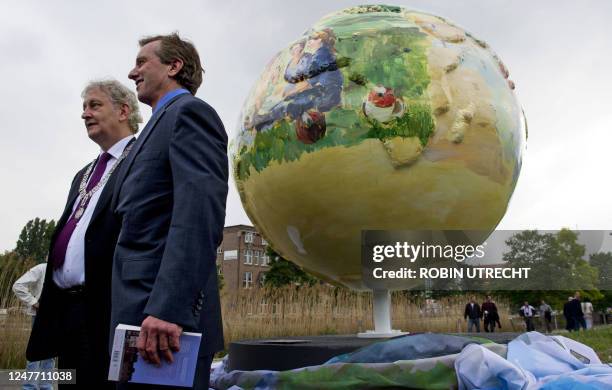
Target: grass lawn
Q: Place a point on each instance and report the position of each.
(599, 338)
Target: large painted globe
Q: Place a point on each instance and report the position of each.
(377, 118)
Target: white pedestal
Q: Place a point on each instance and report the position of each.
(382, 317)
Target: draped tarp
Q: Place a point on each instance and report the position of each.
(534, 361)
(413, 361)
(439, 361)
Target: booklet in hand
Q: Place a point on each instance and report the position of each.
(128, 366)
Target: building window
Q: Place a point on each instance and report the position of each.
(248, 256)
(219, 250)
(248, 237)
(265, 260)
(230, 255)
(247, 281)
(262, 278)
(263, 241)
(256, 257)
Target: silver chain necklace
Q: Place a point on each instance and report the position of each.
(86, 195)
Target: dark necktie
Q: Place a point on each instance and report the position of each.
(58, 256)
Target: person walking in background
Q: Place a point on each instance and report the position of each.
(490, 315)
(472, 314)
(567, 313)
(546, 314)
(527, 312)
(576, 311)
(28, 288)
(587, 310)
(498, 323)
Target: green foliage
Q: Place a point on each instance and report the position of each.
(220, 279)
(12, 266)
(416, 122)
(372, 8)
(603, 262)
(344, 127)
(528, 248)
(557, 267)
(279, 143)
(34, 239)
(358, 78)
(341, 62)
(283, 272)
(395, 57)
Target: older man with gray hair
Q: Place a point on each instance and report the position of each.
(74, 308)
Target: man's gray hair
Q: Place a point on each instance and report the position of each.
(119, 94)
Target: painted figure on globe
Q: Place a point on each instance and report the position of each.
(314, 82)
(378, 118)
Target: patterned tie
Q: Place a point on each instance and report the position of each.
(58, 256)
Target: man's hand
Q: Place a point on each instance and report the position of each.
(158, 335)
(35, 306)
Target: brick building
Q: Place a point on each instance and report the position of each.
(242, 258)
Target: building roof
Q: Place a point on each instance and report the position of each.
(245, 227)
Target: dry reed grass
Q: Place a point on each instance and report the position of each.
(14, 324)
(321, 309)
(266, 313)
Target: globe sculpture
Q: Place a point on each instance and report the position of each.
(377, 118)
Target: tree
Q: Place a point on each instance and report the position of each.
(11, 268)
(283, 272)
(529, 248)
(603, 263)
(34, 240)
(557, 267)
(220, 278)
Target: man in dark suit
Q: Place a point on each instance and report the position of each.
(171, 195)
(490, 314)
(73, 316)
(568, 309)
(577, 313)
(472, 314)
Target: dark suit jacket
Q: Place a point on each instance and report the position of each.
(575, 308)
(491, 310)
(100, 239)
(170, 194)
(472, 312)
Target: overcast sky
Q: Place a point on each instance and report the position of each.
(558, 53)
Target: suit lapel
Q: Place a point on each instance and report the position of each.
(108, 190)
(129, 160)
(72, 196)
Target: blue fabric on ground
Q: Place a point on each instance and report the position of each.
(534, 361)
(426, 361)
(409, 347)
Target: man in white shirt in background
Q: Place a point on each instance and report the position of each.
(28, 288)
(527, 311)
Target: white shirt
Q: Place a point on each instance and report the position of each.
(72, 273)
(29, 286)
(528, 311)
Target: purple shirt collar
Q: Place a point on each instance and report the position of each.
(167, 97)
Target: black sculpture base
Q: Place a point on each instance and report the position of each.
(280, 354)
